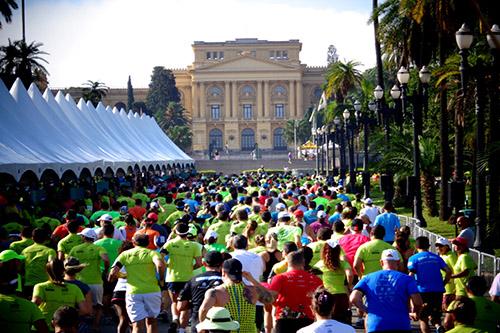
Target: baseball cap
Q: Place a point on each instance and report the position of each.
(460, 241)
(332, 243)
(298, 213)
(182, 229)
(282, 215)
(210, 234)
(88, 233)
(123, 210)
(280, 206)
(213, 258)
(321, 214)
(8, 255)
(390, 254)
(443, 242)
(105, 217)
(220, 208)
(154, 204)
(152, 216)
(368, 201)
(233, 268)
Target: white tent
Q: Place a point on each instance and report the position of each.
(39, 133)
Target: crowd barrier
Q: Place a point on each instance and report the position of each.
(487, 265)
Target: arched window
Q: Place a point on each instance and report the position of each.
(247, 139)
(279, 142)
(247, 90)
(121, 105)
(215, 138)
(317, 93)
(279, 90)
(215, 91)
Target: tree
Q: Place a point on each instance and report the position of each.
(332, 55)
(174, 123)
(94, 91)
(342, 77)
(181, 136)
(141, 107)
(6, 7)
(19, 59)
(130, 94)
(162, 90)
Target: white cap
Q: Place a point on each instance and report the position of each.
(88, 233)
(154, 204)
(283, 214)
(280, 206)
(105, 217)
(443, 241)
(332, 243)
(321, 214)
(368, 201)
(390, 254)
(209, 234)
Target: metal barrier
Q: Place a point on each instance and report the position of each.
(487, 265)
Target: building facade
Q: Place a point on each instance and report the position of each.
(241, 93)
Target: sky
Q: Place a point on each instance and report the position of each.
(108, 40)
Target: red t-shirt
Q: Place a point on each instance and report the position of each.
(151, 234)
(350, 243)
(294, 291)
(62, 231)
(137, 212)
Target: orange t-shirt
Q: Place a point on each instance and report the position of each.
(137, 212)
(151, 234)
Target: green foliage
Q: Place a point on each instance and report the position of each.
(19, 59)
(141, 107)
(303, 129)
(174, 123)
(181, 136)
(341, 78)
(162, 90)
(130, 94)
(6, 7)
(94, 91)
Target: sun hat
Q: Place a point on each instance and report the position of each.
(460, 241)
(73, 264)
(105, 217)
(443, 242)
(182, 229)
(332, 243)
(210, 234)
(88, 233)
(8, 255)
(321, 214)
(218, 318)
(390, 254)
(233, 268)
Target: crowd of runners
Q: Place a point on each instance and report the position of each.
(243, 253)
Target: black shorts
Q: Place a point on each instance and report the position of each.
(176, 287)
(432, 305)
(108, 287)
(118, 297)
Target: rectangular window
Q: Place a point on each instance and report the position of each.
(215, 111)
(247, 111)
(279, 110)
(285, 54)
(209, 55)
(278, 54)
(253, 53)
(221, 55)
(271, 54)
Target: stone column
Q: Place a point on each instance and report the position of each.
(291, 100)
(194, 100)
(260, 110)
(234, 96)
(203, 100)
(300, 107)
(227, 100)
(267, 100)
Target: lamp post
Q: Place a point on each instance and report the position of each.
(332, 134)
(418, 100)
(340, 135)
(349, 134)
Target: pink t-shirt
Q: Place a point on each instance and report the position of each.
(350, 243)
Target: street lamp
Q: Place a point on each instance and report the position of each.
(365, 118)
(417, 100)
(349, 134)
(340, 138)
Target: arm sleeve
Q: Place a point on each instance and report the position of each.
(411, 265)
(38, 291)
(361, 285)
(276, 283)
(412, 286)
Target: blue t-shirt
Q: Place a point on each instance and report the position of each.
(310, 216)
(193, 204)
(387, 293)
(390, 222)
(335, 217)
(427, 267)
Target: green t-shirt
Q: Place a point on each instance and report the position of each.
(130, 202)
(215, 247)
(258, 249)
(316, 246)
(180, 261)
(222, 228)
(112, 247)
(67, 243)
(465, 329)
(488, 313)
(89, 254)
(334, 280)
(321, 201)
(170, 221)
(370, 253)
(168, 210)
(145, 199)
(450, 259)
(464, 262)
(98, 214)
(37, 256)
(141, 270)
(55, 296)
(286, 233)
(18, 314)
(13, 227)
(237, 228)
(53, 223)
(19, 246)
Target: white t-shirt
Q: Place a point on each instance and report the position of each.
(495, 286)
(327, 326)
(251, 262)
(371, 212)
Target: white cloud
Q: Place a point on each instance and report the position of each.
(108, 40)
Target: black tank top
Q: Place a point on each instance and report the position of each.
(269, 265)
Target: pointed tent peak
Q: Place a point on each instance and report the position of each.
(5, 97)
(100, 107)
(115, 110)
(60, 96)
(33, 91)
(136, 115)
(81, 103)
(122, 109)
(48, 95)
(109, 108)
(130, 113)
(70, 100)
(18, 91)
(90, 106)
(123, 113)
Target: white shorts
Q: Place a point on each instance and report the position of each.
(97, 291)
(142, 306)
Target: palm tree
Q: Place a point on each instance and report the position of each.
(94, 91)
(6, 7)
(342, 77)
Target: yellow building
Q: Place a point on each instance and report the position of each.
(242, 92)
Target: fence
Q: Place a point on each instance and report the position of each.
(487, 265)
